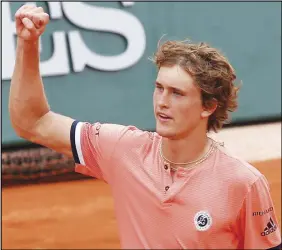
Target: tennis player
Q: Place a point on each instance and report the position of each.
(175, 188)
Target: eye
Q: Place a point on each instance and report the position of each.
(159, 87)
(176, 92)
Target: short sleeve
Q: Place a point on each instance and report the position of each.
(92, 147)
(257, 221)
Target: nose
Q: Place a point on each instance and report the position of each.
(163, 100)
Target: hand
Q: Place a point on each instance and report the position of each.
(31, 22)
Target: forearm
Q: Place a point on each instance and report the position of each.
(27, 102)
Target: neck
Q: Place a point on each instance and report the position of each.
(186, 149)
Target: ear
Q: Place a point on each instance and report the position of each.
(209, 108)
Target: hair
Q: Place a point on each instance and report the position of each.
(211, 72)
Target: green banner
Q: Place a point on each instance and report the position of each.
(94, 56)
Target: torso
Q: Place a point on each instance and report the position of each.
(187, 208)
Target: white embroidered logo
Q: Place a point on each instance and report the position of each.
(202, 221)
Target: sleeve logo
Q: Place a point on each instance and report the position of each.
(270, 228)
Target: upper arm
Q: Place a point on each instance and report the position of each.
(94, 145)
(91, 145)
(53, 131)
(258, 223)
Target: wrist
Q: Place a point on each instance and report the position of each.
(26, 44)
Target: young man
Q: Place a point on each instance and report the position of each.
(176, 188)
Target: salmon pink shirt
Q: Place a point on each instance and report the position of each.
(222, 203)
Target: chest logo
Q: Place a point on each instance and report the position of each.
(202, 221)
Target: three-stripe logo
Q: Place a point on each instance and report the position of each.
(270, 228)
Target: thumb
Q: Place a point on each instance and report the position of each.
(28, 24)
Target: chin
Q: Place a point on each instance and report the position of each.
(165, 131)
(170, 132)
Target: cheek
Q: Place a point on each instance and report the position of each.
(189, 110)
(154, 99)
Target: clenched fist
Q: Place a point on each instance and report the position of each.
(30, 22)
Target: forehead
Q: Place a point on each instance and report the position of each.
(175, 77)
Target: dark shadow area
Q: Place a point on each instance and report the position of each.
(43, 180)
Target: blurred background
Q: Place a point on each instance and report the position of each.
(95, 67)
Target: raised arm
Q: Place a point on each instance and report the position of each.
(30, 113)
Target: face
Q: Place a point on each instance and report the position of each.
(177, 103)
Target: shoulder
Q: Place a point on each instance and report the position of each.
(237, 170)
(117, 130)
(240, 177)
(133, 132)
(129, 136)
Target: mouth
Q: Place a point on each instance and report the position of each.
(163, 117)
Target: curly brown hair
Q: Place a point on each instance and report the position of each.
(211, 72)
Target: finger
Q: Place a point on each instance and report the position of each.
(24, 11)
(25, 6)
(17, 17)
(40, 19)
(38, 10)
(28, 24)
(36, 19)
(18, 22)
(35, 10)
(27, 13)
(21, 9)
(44, 18)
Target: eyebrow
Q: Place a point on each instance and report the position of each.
(171, 88)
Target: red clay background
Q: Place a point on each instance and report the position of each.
(78, 214)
